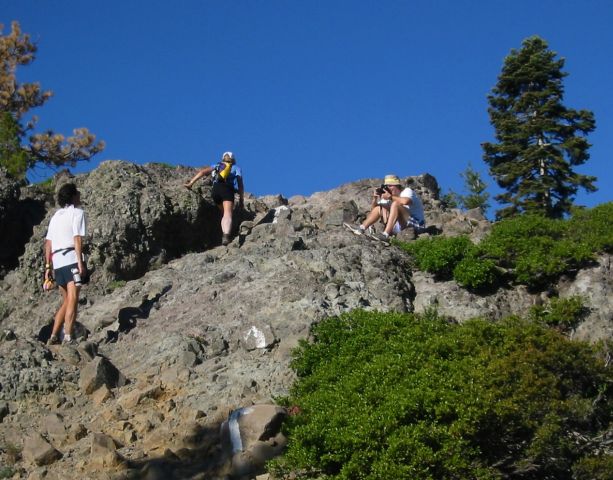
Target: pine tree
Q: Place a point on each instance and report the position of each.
(539, 139)
(16, 101)
(12, 157)
(478, 197)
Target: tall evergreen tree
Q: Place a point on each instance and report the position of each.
(19, 153)
(539, 140)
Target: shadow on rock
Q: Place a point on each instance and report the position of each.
(202, 455)
(79, 332)
(128, 317)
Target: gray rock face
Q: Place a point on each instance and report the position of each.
(200, 330)
(28, 369)
(595, 286)
(20, 210)
(9, 194)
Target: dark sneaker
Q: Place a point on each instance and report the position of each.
(357, 229)
(381, 237)
(53, 340)
(225, 240)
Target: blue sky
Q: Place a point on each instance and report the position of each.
(308, 94)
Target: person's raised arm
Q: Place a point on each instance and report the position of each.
(201, 173)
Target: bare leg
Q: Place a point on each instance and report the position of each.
(58, 320)
(226, 220)
(71, 301)
(397, 214)
(375, 214)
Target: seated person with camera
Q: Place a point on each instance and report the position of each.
(396, 207)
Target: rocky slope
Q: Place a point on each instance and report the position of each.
(178, 332)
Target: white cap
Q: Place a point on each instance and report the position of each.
(229, 154)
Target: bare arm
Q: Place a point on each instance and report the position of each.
(396, 198)
(78, 248)
(48, 257)
(201, 173)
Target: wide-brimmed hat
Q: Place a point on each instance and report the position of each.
(229, 154)
(391, 180)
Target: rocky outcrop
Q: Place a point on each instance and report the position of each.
(178, 334)
(9, 194)
(21, 208)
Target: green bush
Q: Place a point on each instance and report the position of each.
(7, 472)
(593, 227)
(439, 255)
(561, 313)
(533, 250)
(393, 396)
(594, 468)
(476, 273)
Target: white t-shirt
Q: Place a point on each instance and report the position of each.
(415, 208)
(65, 224)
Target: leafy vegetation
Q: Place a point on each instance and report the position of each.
(439, 255)
(7, 472)
(561, 313)
(532, 250)
(386, 395)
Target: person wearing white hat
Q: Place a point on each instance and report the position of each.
(398, 208)
(227, 181)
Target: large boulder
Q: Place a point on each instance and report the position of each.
(139, 217)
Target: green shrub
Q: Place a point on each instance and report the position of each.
(543, 260)
(439, 255)
(593, 227)
(385, 396)
(7, 472)
(562, 313)
(114, 285)
(516, 237)
(476, 273)
(534, 250)
(594, 468)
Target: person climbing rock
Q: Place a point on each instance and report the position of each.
(64, 252)
(227, 181)
(396, 207)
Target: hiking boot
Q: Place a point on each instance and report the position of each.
(72, 342)
(381, 237)
(53, 340)
(356, 229)
(225, 239)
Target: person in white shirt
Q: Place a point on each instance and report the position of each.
(64, 251)
(398, 208)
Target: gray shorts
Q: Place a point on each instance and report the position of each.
(63, 275)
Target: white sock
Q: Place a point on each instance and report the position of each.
(67, 338)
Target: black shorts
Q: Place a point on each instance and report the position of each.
(222, 192)
(63, 275)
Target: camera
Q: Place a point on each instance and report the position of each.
(382, 189)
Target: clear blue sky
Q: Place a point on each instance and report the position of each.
(308, 94)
